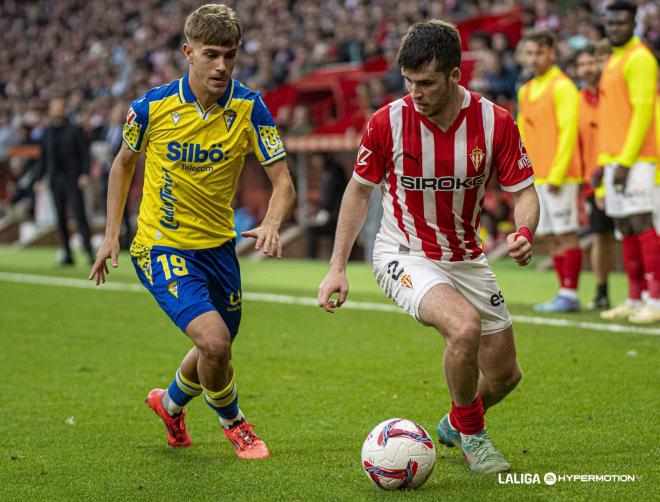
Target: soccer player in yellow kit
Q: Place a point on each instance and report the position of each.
(196, 132)
(548, 123)
(628, 151)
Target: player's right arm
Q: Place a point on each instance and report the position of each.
(352, 215)
(369, 171)
(119, 183)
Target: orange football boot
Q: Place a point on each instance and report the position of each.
(177, 434)
(245, 442)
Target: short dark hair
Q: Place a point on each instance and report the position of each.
(587, 49)
(542, 37)
(431, 40)
(629, 7)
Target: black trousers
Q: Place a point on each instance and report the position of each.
(66, 192)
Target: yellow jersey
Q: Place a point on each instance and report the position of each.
(194, 158)
(548, 123)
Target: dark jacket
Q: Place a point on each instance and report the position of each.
(64, 153)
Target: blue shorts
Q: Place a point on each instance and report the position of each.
(187, 284)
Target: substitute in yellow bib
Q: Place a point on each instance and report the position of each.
(195, 133)
(601, 226)
(628, 152)
(548, 122)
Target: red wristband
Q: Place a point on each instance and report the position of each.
(525, 232)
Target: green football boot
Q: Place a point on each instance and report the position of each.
(481, 455)
(447, 435)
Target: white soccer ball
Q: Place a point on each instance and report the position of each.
(398, 454)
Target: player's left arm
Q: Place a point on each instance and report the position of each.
(641, 75)
(526, 216)
(516, 176)
(267, 234)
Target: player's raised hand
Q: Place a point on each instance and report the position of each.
(334, 282)
(268, 239)
(520, 248)
(109, 249)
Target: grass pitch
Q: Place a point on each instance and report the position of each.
(78, 363)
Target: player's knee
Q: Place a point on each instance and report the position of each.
(467, 336)
(514, 378)
(216, 347)
(641, 223)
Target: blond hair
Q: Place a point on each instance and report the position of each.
(213, 24)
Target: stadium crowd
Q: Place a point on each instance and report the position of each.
(99, 56)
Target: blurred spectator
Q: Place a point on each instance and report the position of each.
(65, 163)
(331, 186)
(23, 171)
(300, 121)
(109, 144)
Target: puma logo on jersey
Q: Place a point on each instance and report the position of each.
(416, 159)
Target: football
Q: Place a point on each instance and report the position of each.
(398, 454)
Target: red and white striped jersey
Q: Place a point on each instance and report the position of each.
(433, 182)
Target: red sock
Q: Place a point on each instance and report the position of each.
(468, 419)
(572, 266)
(558, 262)
(632, 264)
(649, 244)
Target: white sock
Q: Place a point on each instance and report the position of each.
(170, 406)
(464, 436)
(633, 303)
(654, 303)
(227, 423)
(571, 293)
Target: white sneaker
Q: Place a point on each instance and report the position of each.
(620, 312)
(645, 315)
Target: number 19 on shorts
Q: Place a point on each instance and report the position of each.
(173, 264)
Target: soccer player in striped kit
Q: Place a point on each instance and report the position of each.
(432, 154)
(548, 122)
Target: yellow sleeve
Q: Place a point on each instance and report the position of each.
(519, 115)
(641, 75)
(567, 100)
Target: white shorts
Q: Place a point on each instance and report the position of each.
(637, 198)
(406, 279)
(559, 211)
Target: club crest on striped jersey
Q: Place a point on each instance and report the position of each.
(363, 155)
(476, 156)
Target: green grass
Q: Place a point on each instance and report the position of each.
(314, 384)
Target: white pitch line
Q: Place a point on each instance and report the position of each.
(45, 280)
